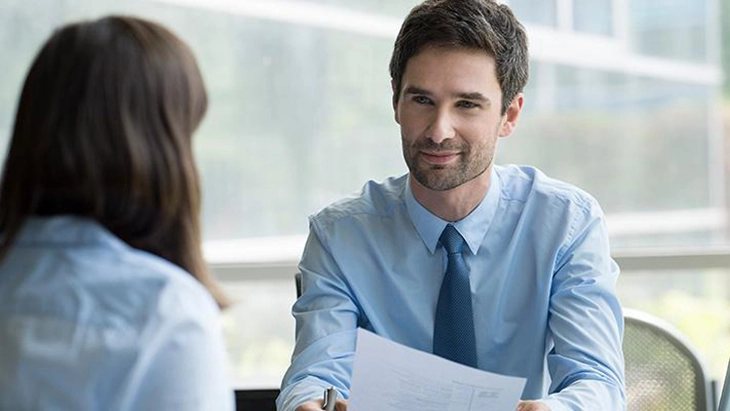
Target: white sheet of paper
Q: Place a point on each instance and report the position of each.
(388, 376)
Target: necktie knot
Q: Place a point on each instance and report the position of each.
(452, 241)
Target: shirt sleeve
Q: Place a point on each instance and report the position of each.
(326, 328)
(183, 359)
(586, 322)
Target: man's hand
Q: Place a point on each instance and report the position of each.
(530, 406)
(340, 405)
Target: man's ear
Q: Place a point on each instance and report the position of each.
(394, 101)
(510, 118)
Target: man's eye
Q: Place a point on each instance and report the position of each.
(467, 104)
(422, 100)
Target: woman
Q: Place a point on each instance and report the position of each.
(105, 300)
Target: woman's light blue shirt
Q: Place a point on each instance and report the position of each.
(89, 323)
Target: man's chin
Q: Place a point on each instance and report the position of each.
(435, 182)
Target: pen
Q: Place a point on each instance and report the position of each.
(330, 398)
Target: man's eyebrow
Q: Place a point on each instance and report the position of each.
(416, 90)
(477, 96)
(472, 96)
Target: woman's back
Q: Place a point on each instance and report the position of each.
(87, 322)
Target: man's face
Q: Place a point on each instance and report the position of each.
(449, 114)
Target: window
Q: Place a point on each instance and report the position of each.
(672, 28)
(593, 16)
(541, 12)
(655, 139)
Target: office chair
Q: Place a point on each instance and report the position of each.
(663, 371)
(256, 400)
(725, 397)
(298, 283)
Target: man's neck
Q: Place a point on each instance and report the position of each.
(455, 204)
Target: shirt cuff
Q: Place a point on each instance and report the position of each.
(297, 394)
(554, 404)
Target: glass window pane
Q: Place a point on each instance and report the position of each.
(673, 28)
(288, 113)
(593, 16)
(259, 331)
(397, 8)
(542, 12)
(648, 141)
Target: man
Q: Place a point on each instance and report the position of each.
(496, 267)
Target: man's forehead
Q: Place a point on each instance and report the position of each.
(476, 58)
(442, 48)
(459, 70)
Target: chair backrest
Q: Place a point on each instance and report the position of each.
(298, 283)
(256, 400)
(663, 370)
(725, 397)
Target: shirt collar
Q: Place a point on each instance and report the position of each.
(65, 229)
(473, 227)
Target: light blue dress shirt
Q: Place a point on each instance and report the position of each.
(542, 282)
(89, 323)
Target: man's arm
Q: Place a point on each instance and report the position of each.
(326, 329)
(586, 322)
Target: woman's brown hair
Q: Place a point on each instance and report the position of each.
(103, 130)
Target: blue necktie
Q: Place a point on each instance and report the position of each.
(453, 332)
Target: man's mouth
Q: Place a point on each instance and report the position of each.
(439, 157)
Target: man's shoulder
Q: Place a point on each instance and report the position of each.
(522, 183)
(376, 199)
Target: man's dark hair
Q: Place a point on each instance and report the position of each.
(470, 24)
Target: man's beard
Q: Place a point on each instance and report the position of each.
(467, 167)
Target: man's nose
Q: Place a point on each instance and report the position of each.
(441, 127)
